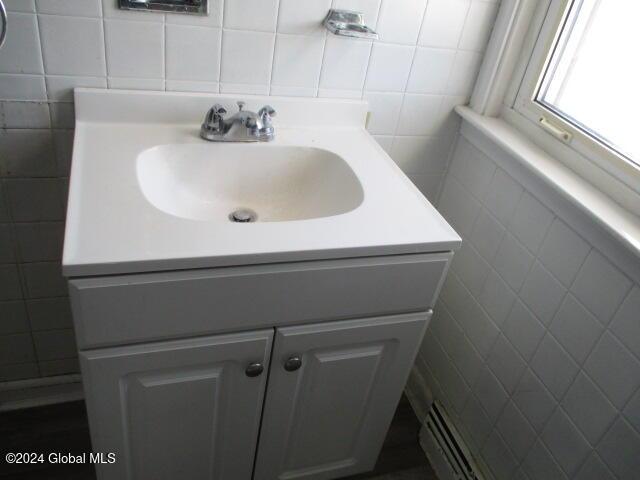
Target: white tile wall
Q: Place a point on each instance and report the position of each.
(424, 64)
(557, 395)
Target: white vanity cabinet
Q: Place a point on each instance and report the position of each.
(305, 387)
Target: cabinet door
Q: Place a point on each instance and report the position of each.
(328, 418)
(182, 409)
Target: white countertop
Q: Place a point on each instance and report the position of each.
(113, 229)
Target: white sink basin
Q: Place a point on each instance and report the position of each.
(148, 194)
(209, 181)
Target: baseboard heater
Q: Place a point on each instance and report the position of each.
(445, 449)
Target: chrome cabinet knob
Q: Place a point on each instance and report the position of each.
(292, 364)
(254, 369)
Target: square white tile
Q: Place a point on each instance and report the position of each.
(27, 153)
(64, 54)
(50, 313)
(40, 241)
(14, 317)
(246, 57)
(22, 87)
(589, 409)
(55, 344)
(594, 469)
(533, 400)
(497, 455)
(10, 282)
(464, 73)
(576, 329)
(565, 442)
(475, 420)
(44, 279)
(490, 394)
(554, 366)
(297, 60)
(478, 26)
(600, 286)
(443, 23)
(420, 155)
(34, 199)
(134, 49)
(619, 449)
(389, 67)
(190, 64)
(21, 51)
(516, 428)
(420, 115)
(400, 21)
(430, 70)
(614, 370)
(563, 252)
(17, 348)
(345, 63)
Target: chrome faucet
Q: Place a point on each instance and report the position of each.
(243, 126)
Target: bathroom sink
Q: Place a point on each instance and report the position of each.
(148, 194)
(208, 182)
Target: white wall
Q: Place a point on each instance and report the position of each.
(424, 63)
(535, 345)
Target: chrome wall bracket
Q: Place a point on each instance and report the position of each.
(195, 7)
(348, 24)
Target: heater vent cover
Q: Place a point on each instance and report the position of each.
(445, 449)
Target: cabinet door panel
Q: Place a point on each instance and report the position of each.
(182, 409)
(329, 418)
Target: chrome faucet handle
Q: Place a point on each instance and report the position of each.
(240, 104)
(265, 114)
(213, 121)
(214, 115)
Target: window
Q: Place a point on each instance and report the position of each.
(582, 83)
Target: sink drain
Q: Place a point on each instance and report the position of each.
(243, 215)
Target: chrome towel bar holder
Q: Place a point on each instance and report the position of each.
(5, 23)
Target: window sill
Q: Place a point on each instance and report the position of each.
(623, 225)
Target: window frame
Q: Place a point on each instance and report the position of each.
(547, 31)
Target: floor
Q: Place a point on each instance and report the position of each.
(63, 428)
